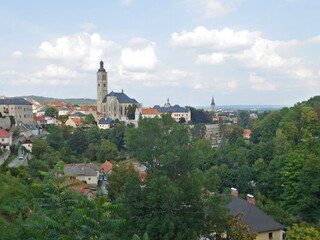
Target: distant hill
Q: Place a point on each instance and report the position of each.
(260, 108)
(78, 101)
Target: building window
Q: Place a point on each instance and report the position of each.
(270, 235)
(98, 84)
(104, 85)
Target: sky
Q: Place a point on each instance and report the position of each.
(242, 52)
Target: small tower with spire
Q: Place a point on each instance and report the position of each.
(213, 105)
(167, 104)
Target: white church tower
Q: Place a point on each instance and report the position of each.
(102, 86)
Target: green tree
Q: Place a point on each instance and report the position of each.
(303, 232)
(51, 112)
(107, 151)
(39, 147)
(232, 133)
(78, 141)
(131, 110)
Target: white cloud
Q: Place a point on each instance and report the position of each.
(226, 39)
(144, 59)
(54, 71)
(17, 54)
(216, 8)
(83, 50)
(245, 47)
(260, 84)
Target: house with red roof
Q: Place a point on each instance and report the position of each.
(5, 139)
(246, 133)
(146, 113)
(84, 189)
(106, 168)
(28, 144)
(74, 122)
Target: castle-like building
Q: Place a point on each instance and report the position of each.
(115, 104)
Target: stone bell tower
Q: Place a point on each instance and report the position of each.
(102, 86)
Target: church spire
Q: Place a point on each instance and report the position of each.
(212, 101)
(101, 69)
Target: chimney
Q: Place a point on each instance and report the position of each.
(234, 192)
(251, 199)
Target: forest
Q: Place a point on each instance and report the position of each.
(186, 189)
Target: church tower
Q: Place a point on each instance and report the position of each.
(102, 86)
(213, 105)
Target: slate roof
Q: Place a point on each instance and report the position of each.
(122, 97)
(253, 216)
(30, 127)
(77, 114)
(175, 108)
(14, 101)
(105, 121)
(81, 169)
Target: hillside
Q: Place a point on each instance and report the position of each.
(79, 101)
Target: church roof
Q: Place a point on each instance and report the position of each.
(14, 101)
(101, 69)
(122, 97)
(175, 108)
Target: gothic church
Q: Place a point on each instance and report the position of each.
(115, 104)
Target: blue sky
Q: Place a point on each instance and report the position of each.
(239, 51)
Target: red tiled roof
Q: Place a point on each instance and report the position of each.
(77, 121)
(40, 118)
(27, 141)
(56, 104)
(247, 131)
(107, 166)
(149, 111)
(4, 133)
(83, 188)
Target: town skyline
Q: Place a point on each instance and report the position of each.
(184, 50)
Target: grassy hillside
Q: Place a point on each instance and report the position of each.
(79, 101)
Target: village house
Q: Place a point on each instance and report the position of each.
(259, 221)
(106, 168)
(28, 144)
(5, 139)
(105, 123)
(84, 189)
(74, 122)
(246, 134)
(142, 113)
(85, 172)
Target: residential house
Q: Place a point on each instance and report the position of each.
(5, 139)
(41, 111)
(20, 108)
(74, 122)
(106, 168)
(42, 120)
(259, 221)
(77, 115)
(28, 144)
(84, 188)
(105, 123)
(85, 172)
(63, 110)
(142, 113)
(246, 134)
(88, 110)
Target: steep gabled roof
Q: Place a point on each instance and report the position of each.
(121, 96)
(4, 133)
(253, 216)
(107, 166)
(14, 101)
